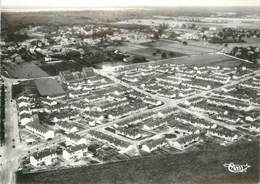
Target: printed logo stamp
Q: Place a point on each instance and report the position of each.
(237, 168)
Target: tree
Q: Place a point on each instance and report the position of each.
(156, 35)
(221, 34)
(171, 54)
(174, 35)
(164, 55)
(234, 51)
(185, 43)
(204, 37)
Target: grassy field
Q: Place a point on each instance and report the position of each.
(24, 86)
(192, 48)
(54, 69)
(155, 54)
(126, 47)
(196, 167)
(206, 59)
(26, 70)
(49, 87)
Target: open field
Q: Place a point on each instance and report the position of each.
(55, 68)
(204, 21)
(206, 59)
(190, 49)
(28, 86)
(129, 47)
(26, 70)
(49, 87)
(204, 166)
(203, 44)
(155, 54)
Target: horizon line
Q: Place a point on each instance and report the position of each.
(35, 8)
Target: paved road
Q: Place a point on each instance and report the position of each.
(233, 57)
(10, 156)
(15, 81)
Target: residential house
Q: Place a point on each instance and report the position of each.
(74, 139)
(186, 141)
(40, 130)
(223, 133)
(75, 152)
(255, 126)
(25, 118)
(132, 133)
(45, 157)
(67, 127)
(153, 144)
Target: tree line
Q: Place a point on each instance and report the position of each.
(2, 126)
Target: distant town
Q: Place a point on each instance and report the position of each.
(92, 94)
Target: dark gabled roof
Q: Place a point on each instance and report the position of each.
(24, 108)
(186, 139)
(154, 142)
(35, 124)
(255, 124)
(224, 131)
(129, 131)
(88, 71)
(73, 149)
(73, 136)
(66, 125)
(43, 153)
(25, 115)
(109, 138)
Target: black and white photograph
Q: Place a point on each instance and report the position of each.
(130, 92)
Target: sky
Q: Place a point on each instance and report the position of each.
(123, 3)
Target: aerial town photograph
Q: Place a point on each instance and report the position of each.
(130, 92)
